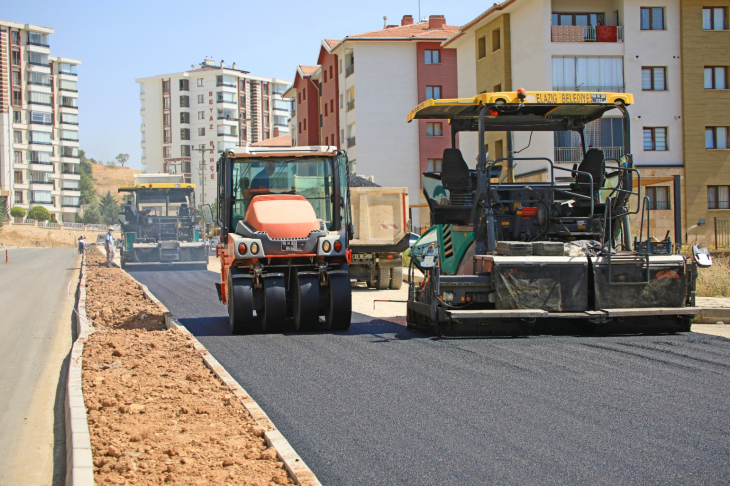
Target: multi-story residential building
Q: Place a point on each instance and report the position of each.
(39, 126)
(705, 55)
(551, 45)
(189, 117)
(364, 110)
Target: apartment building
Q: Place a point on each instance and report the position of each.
(189, 117)
(39, 125)
(363, 110)
(705, 44)
(605, 45)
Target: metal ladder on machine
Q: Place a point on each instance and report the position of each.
(643, 251)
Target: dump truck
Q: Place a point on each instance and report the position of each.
(380, 219)
(285, 228)
(159, 227)
(511, 258)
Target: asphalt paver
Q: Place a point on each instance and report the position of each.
(380, 404)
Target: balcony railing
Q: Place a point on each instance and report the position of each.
(39, 63)
(349, 70)
(574, 155)
(607, 89)
(350, 142)
(225, 117)
(39, 44)
(40, 162)
(580, 33)
(350, 105)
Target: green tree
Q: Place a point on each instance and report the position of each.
(91, 215)
(86, 184)
(122, 159)
(3, 210)
(39, 213)
(17, 212)
(108, 209)
(128, 199)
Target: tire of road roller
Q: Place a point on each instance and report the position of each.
(383, 278)
(306, 302)
(339, 304)
(396, 278)
(273, 312)
(240, 307)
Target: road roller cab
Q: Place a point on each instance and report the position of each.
(284, 238)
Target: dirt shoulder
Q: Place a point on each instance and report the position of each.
(156, 413)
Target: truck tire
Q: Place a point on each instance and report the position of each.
(240, 306)
(396, 278)
(306, 302)
(273, 313)
(383, 278)
(338, 313)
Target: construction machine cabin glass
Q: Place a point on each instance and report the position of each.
(514, 256)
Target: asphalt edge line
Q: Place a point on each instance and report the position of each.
(79, 462)
(293, 463)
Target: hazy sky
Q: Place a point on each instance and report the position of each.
(118, 42)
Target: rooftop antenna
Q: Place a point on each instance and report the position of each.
(419, 9)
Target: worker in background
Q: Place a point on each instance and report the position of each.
(109, 242)
(82, 244)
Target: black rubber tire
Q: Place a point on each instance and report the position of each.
(240, 307)
(306, 302)
(396, 278)
(339, 304)
(273, 313)
(383, 278)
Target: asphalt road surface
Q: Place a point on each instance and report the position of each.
(383, 405)
(35, 340)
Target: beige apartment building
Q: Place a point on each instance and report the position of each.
(39, 125)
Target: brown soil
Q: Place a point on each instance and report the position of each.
(110, 178)
(156, 413)
(50, 238)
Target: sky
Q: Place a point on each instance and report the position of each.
(119, 41)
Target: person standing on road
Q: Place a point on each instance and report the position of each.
(109, 242)
(82, 244)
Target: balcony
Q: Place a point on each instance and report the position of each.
(349, 70)
(350, 142)
(579, 33)
(350, 105)
(574, 155)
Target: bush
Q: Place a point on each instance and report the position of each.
(39, 213)
(17, 212)
(715, 280)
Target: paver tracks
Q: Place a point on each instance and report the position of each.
(383, 405)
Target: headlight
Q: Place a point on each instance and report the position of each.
(254, 248)
(326, 247)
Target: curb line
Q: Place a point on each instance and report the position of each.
(293, 463)
(79, 465)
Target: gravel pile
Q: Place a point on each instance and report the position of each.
(357, 181)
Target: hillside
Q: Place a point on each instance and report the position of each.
(110, 178)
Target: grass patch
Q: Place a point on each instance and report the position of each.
(715, 280)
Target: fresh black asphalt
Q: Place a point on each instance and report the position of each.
(383, 405)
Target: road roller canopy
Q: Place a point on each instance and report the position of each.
(523, 110)
(273, 152)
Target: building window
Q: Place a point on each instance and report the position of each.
(266, 104)
(658, 197)
(15, 37)
(166, 86)
(166, 120)
(434, 165)
(201, 99)
(200, 82)
(326, 109)
(434, 129)
(167, 136)
(653, 79)
(332, 106)
(17, 118)
(226, 97)
(184, 85)
(265, 88)
(67, 101)
(201, 131)
(716, 138)
(34, 77)
(18, 177)
(304, 94)
(325, 76)
(184, 117)
(166, 152)
(185, 150)
(15, 58)
(18, 157)
(482, 47)
(655, 139)
(495, 40)
(433, 56)
(342, 101)
(433, 92)
(582, 19)
(718, 197)
(299, 129)
(588, 74)
(166, 103)
(18, 197)
(714, 18)
(305, 124)
(327, 141)
(17, 98)
(184, 134)
(715, 77)
(652, 18)
(201, 115)
(17, 136)
(184, 101)
(242, 100)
